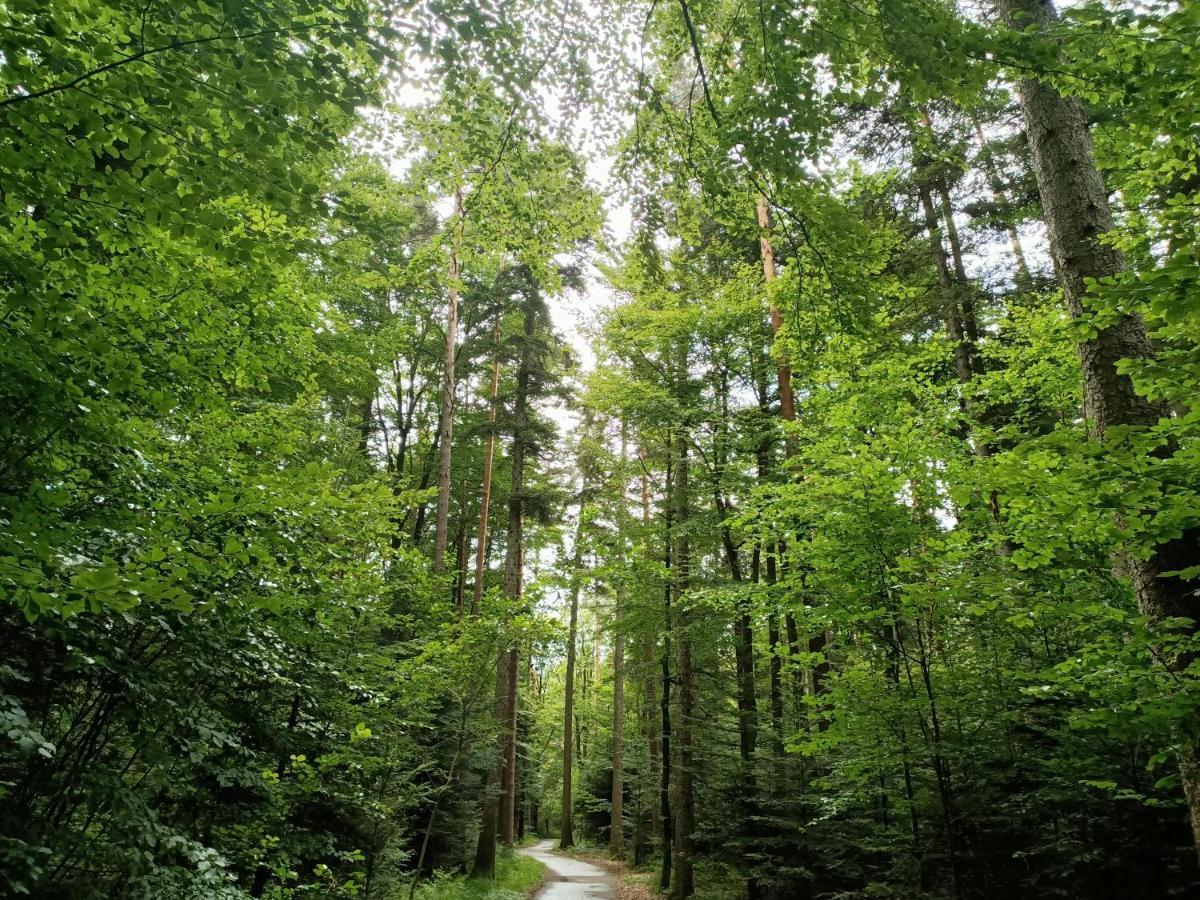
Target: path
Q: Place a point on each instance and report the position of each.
(569, 878)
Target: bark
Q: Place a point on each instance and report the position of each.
(499, 809)
(946, 282)
(664, 793)
(441, 531)
(962, 284)
(1023, 280)
(513, 564)
(616, 830)
(787, 403)
(685, 811)
(505, 830)
(743, 635)
(1075, 202)
(616, 821)
(567, 834)
(485, 499)
(653, 723)
(460, 566)
(366, 425)
(961, 322)
(485, 849)
(653, 718)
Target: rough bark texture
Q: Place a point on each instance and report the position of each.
(1075, 202)
(441, 530)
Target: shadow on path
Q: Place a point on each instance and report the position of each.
(569, 878)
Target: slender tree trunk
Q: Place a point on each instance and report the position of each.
(508, 782)
(653, 720)
(685, 812)
(961, 321)
(485, 849)
(1075, 201)
(787, 406)
(441, 531)
(743, 635)
(664, 794)
(513, 564)
(617, 816)
(366, 426)
(460, 566)
(787, 401)
(616, 829)
(946, 281)
(653, 723)
(776, 689)
(964, 290)
(567, 831)
(499, 815)
(1023, 280)
(485, 499)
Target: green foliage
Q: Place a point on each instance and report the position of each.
(918, 666)
(515, 876)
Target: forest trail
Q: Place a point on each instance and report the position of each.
(569, 879)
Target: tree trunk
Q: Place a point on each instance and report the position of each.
(485, 499)
(685, 813)
(567, 833)
(787, 402)
(664, 793)
(441, 531)
(743, 635)
(460, 566)
(1023, 280)
(513, 564)
(617, 816)
(946, 282)
(485, 849)
(1075, 202)
(653, 720)
(499, 808)
(616, 827)
(505, 830)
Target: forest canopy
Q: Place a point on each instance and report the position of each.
(753, 444)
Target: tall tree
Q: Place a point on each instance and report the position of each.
(1077, 212)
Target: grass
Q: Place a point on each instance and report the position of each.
(516, 878)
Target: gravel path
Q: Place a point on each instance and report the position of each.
(569, 879)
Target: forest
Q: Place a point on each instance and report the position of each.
(751, 444)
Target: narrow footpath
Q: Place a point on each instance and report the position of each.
(568, 878)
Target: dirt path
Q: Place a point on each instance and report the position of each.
(569, 879)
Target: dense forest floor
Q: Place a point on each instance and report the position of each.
(758, 442)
